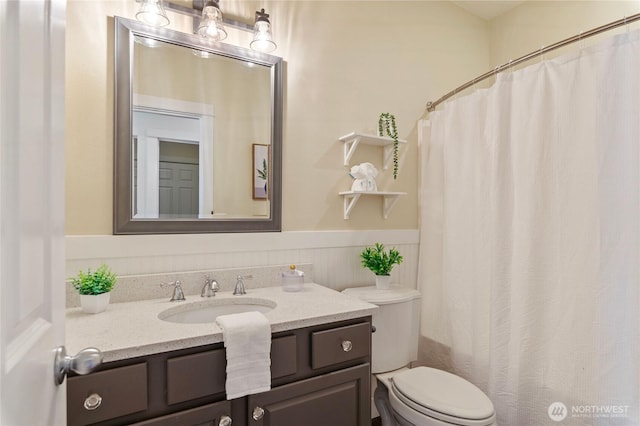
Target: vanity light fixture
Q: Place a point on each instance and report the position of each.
(262, 39)
(211, 25)
(152, 13)
(209, 22)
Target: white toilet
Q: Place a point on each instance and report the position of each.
(419, 396)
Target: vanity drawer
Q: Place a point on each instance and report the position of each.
(203, 374)
(340, 344)
(122, 391)
(195, 376)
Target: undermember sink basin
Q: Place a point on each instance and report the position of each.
(207, 311)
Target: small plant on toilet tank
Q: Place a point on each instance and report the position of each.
(380, 262)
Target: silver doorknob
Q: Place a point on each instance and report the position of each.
(92, 402)
(347, 345)
(258, 413)
(83, 363)
(225, 421)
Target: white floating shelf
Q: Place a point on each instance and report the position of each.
(352, 197)
(353, 139)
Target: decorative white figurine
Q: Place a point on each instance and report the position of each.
(364, 175)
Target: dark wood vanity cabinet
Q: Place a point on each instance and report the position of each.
(320, 376)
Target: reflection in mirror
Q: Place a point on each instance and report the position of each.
(166, 166)
(189, 115)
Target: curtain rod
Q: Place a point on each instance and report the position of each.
(431, 106)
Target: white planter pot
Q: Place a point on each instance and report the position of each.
(383, 281)
(94, 304)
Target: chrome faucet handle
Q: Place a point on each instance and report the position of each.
(239, 290)
(206, 288)
(210, 287)
(178, 294)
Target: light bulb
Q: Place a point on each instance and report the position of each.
(262, 40)
(152, 13)
(211, 25)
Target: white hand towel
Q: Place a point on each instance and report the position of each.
(247, 339)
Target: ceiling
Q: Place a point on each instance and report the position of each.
(488, 9)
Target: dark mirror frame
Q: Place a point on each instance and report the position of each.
(123, 223)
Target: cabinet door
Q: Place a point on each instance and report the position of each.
(337, 399)
(209, 415)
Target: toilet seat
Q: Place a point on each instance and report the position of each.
(424, 391)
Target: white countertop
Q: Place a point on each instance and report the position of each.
(127, 330)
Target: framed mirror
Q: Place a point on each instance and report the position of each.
(189, 115)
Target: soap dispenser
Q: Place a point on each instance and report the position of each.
(293, 279)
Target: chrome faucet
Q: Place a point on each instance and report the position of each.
(178, 294)
(210, 287)
(240, 285)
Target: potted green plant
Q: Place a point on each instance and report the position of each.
(94, 288)
(380, 262)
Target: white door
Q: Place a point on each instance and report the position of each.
(31, 210)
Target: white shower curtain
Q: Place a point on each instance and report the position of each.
(530, 230)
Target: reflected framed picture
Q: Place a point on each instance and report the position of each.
(261, 168)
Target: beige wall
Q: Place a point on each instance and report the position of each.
(346, 62)
(534, 24)
(339, 76)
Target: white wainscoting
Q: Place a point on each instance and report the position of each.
(335, 255)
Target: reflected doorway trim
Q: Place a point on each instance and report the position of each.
(205, 115)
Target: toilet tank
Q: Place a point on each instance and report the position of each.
(395, 341)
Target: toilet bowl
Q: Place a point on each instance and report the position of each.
(425, 396)
(420, 396)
